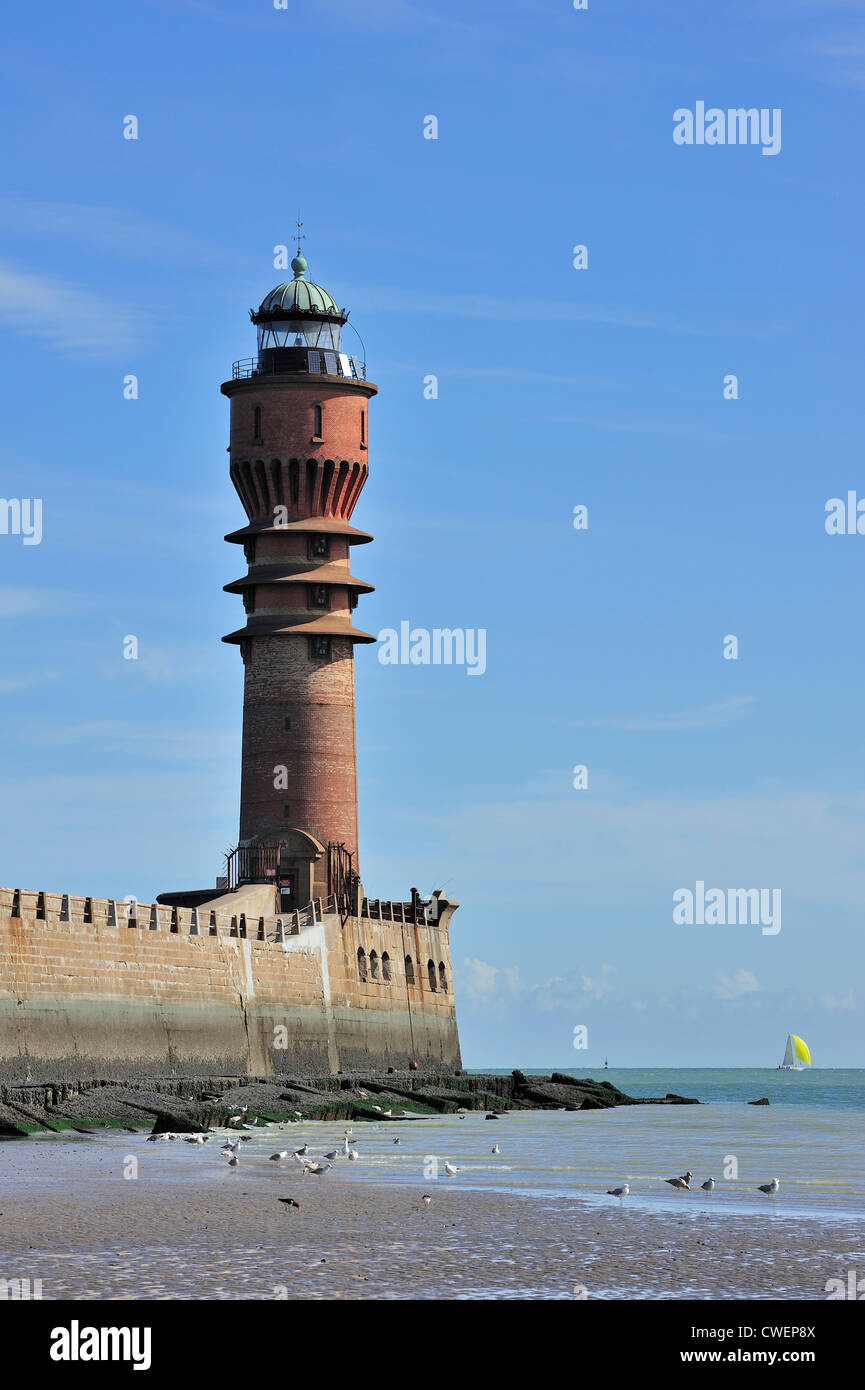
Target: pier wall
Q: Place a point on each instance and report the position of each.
(92, 988)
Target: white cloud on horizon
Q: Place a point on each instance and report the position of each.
(739, 983)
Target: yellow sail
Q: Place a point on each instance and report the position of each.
(801, 1049)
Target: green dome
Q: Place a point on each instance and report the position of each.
(299, 295)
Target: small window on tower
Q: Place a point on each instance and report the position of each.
(319, 596)
(316, 422)
(319, 648)
(256, 423)
(319, 547)
(363, 429)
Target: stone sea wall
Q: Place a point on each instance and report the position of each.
(92, 988)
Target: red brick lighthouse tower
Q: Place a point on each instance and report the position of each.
(299, 459)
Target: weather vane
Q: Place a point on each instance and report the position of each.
(301, 236)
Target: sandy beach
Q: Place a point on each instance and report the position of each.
(189, 1228)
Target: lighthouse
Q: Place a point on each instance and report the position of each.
(299, 458)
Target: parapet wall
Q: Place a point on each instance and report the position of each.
(89, 990)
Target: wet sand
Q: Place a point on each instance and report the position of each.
(68, 1218)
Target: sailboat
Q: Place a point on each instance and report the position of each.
(795, 1054)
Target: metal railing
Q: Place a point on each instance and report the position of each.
(377, 910)
(246, 367)
(251, 864)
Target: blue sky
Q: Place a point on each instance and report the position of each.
(557, 387)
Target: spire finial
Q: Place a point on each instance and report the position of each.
(298, 265)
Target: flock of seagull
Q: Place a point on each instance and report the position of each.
(319, 1167)
(231, 1150)
(683, 1184)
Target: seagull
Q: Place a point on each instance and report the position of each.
(396, 1141)
(426, 1199)
(230, 1148)
(304, 1150)
(289, 1202)
(347, 1143)
(317, 1168)
(334, 1153)
(299, 1158)
(195, 1138)
(708, 1186)
(279, 1156)
(450, 1169)
(494, 1149)
(679, 1184)
(620, 1192)
(686, 1177)
(770, 1188)
(233, 1161)
(353, 1154)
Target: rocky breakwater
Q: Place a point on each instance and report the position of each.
(189, 1104)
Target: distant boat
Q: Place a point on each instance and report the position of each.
(606, 1063)
(795, 1054)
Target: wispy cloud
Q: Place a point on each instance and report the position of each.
(17, 603)
(109, 231)
(140, 740)
(845, 55)
(705, 716)
(11, 684)
(75, 321)
(400, 300)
